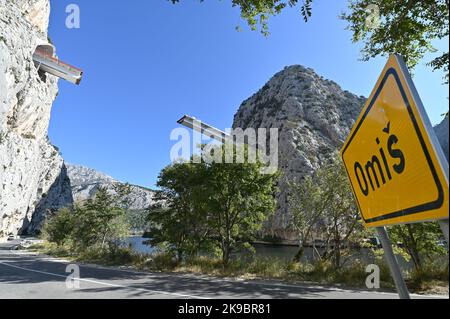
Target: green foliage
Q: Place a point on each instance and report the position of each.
(257, 12)
(162, 261)
(97, 223)
(406, 27)
(177, 223)
(307, 208)
(423, 279)
(240, 200)
(210, 206)
(137, 219)
(114, 256)
(101, 221)
(324, 204)
(418, 241)
(58, 229)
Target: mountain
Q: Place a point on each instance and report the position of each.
(313, 115)
(86, 181)
(33, 180)
(442, 135)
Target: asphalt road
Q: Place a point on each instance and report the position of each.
(29, 276)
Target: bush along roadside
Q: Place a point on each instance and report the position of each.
(433, 278)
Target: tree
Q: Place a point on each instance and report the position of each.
(101, 220)
(96, 223)
(241, 199)
(58, 229)
(405, 27)
(177, 221)
(419, 241)
(325, 202)
(205, 205)
(307, 208)
(341, 221)
(137, 219)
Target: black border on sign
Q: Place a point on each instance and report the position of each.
(414, 209)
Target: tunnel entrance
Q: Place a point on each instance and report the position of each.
(45, 62)
(47, 50)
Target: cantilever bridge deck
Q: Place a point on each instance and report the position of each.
(44, 61)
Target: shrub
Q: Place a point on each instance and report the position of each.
(113, 256)
(58, 229)
(29, 136)
(420, 279)
(266, 267)
(162, 261)
(97, 223)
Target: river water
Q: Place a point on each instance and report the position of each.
(283, 252)
(278, 251)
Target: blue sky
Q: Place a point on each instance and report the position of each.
(147, 63)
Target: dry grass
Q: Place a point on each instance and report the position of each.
(432, 279)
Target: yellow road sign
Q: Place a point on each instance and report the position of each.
(394, 162)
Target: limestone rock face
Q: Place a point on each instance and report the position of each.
(442, 135)
(37, 13)
(314, 117)
(32, 173)
(86, 181)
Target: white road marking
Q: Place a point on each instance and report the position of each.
(104, 283)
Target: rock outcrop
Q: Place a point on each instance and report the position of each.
(442, 135)
(86, 181)
(314, 117)
(33, 182)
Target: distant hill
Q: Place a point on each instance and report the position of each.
(86, 181)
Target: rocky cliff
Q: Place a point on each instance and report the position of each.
(314, 117)
(86, 181)
(33, 180)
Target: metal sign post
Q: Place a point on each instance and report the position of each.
(393, 263)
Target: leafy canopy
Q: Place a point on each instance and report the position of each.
(405, 27)
(212, 206)
(177, 221)
(323, 205)
(420, 242)
(99, 222)
(257, 12)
